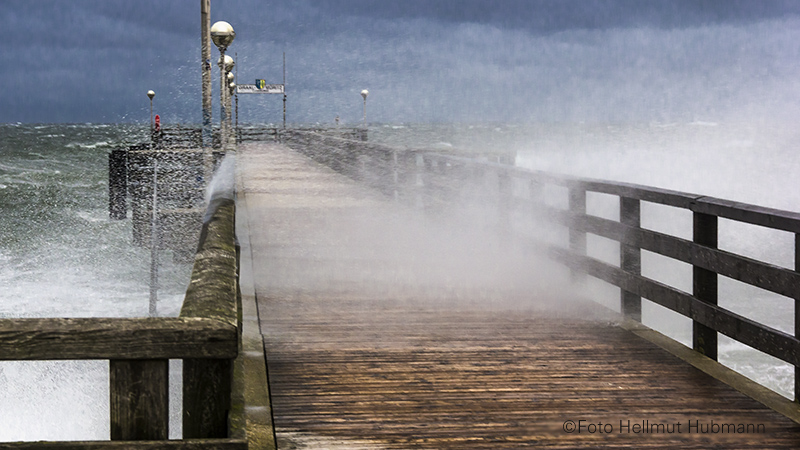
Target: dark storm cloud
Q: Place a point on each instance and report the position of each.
(464, 60)
(547, 16)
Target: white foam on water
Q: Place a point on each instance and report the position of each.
(76, 394)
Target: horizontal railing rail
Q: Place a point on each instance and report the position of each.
(206, 336)
(434, 181)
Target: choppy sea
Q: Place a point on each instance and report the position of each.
(61, 255)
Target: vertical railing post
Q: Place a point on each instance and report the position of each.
(630, 257)
(429, 166)
(797, 316)
(395, 177)
(504, 194)
(419, 181)
(535, 188)
(139, 399)
(577, 238)
(704, 285)
(206, 397)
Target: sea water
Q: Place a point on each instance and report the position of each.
(61, 256)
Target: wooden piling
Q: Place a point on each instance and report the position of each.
(118, 184)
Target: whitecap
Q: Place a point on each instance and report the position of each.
(89, 146)
(91, 216)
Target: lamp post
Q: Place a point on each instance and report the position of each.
(232, 90)
(231, 86)
(205, 58)
(364, 94)
(151, 94)
(153, 222)
(222, 35)
(225, 94)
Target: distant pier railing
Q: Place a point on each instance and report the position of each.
(206, 336)
(437, 181)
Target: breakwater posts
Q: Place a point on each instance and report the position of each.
(176, 175)
(437, 181)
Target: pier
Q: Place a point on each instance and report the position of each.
(359, 359)
(359, 296)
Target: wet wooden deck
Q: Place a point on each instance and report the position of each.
(385, 330)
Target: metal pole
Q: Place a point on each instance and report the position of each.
(365, 112)
(223, 88)
(284, 89)
(205, 50)
(151, 120)
(231, 130)
(154, 242)
(236, 95)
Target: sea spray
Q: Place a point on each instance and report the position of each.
(222, 185)
(61, 257)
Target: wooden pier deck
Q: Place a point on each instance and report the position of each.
(385, 330)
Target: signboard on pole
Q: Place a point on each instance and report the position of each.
(260, 88)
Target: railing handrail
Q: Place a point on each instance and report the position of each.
(33, 339)
(206, 337)
(427, 172)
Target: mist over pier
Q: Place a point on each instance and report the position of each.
(415, 225)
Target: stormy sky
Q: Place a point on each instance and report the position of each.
(422, 60)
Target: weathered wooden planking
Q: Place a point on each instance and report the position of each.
(139, 399)
(94, 338)
(743, 212)
(186, 444)
(462, 379)
(747, 270)
(350, 368)
(212, 289)
(761, 337)
(206, 397)
(212, 293)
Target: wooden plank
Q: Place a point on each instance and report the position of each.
(462, 386)
(206, 397)
(704, 285)
(577, 238)
(185, 444)
(139, 399)
(93, 338)
(251, 409)
(760, 274)
(761, 337)
(651, 194)
(212, 290)
(797, 316)
(743, 212)
(630, 257)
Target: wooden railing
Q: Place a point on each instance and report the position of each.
(205, 336)
(435, 181)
